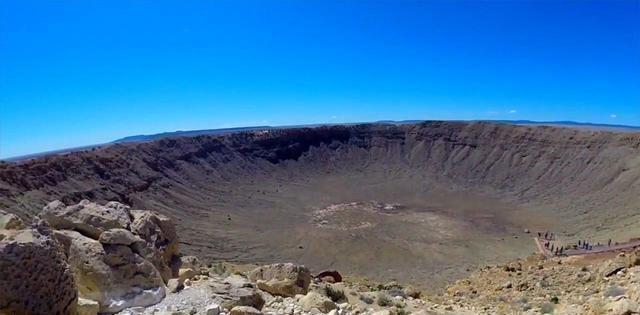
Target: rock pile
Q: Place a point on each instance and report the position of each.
(282, 279)
(119, 256)
(535, 285)
(269, 290)
(110, 256)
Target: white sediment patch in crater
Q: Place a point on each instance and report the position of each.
(353, 215)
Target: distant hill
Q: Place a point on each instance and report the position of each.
(563, 123)
(572, 124)
(223, 131)
(188, 133)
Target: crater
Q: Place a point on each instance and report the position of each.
(416, 203)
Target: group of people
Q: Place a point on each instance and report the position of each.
(548, 237)
(585, 245)
(553, 249)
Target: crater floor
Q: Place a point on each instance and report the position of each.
(365, 223)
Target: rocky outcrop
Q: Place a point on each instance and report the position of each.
(120, 257)
(34, 276)
(112, 275)
(237, 291)
(86, 217)
(282, 279)
(611, 267)
(590, 284)
(160, 244)
(219, 294)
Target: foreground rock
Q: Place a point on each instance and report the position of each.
(315, 300)
(112, 275)
(282, 279)
(86, 217)
(208, 294)
(160, 244)
(222, 294)
(120, 257)
(34, 276)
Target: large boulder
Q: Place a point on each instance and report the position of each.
(244, 310)
(160, 244)
(34, 275)
(282, 279)
(111, 274)
(9, 221)
(118, 237)
(612, 266)
(318, 301)
(88, 218)
(236, 291)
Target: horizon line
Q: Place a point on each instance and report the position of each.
(126, 139)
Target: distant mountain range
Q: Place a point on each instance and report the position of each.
(188, 133)
(571, 124)
(222, 131)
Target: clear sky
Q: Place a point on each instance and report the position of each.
(84, 72)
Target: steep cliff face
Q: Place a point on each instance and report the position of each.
(238, 195)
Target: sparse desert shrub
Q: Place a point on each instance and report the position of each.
(366, 298)
(384, 299)
(396, 292)
(336, 295)
(598, 308)
(547, 308)
(412, 292)
(400, 304)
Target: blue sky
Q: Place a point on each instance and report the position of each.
(83, 72)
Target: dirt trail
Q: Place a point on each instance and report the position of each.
(628, 246)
